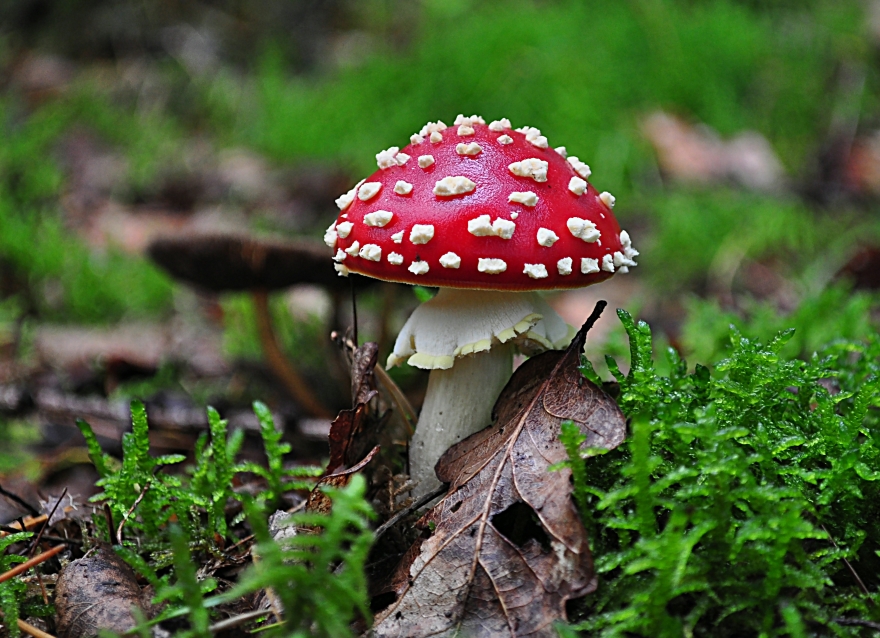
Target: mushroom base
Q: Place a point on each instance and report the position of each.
(458, 403)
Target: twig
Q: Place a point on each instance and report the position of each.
(36, 560)
(137, 502)
(391, 522)
(354, 312)
(24, 525)
(30, 629)
(15, 497)
(849, 566)
(235, 621)
(46, 522)
(108, 515)
(33, 631)
(280, 364)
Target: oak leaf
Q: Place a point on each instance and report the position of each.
(508, 547)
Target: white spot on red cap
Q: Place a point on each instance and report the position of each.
(482, 227)
(608, 263)
(533, 168)
(344, 229)
(401, 159)
(514, 214)
(533, 136)
(330, 235)
(368, 190)
(491, 266)
(353, 249)
(628, 250)
(415, 138)
(547, 237)
(526, 198)
(378, 218)
(607, 199)
(583, 229)
(562, 151)
(576, 185)
(340, 255)
(371, 252)
(397, 238)
(535, 271)
(453, 185)
(342, 269)
(505, 139)
(425, 161)
(465, 130)
(386, 159)
(395, 259)
(450, 260)
(499, 125)
(564, 266)
(419, 267)
(589, 266)
(468, 149)
(421, 233)
(622, 261)
(436, 137)
(344, 201)
(402, 187)
(579, 167)
(468, 121)
(432, 127)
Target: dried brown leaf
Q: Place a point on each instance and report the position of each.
(320, 502)
(509, 548)
(355, 431)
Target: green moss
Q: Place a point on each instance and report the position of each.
(740, 495)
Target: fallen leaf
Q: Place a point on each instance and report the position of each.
(355, 431)
(318, 501)
(697, 154)
(97, 592)
(508, 548)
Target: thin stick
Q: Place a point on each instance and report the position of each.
(238, 620)
(108, 516)
(280, 364)
(36, 560)
(46, 523)
(137, 502)
(850, 567)
(33, 631)
(354, 312)
(427, 498)
(30, 629)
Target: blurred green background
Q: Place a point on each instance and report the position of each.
(741, 139)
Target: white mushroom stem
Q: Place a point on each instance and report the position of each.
(467, 339)
(458, 403)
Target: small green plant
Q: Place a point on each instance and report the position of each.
(742, 502)
(12, 591)
(318, 573)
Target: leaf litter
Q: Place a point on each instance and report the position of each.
(508, 548)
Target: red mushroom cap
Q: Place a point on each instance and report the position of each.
(479, 206)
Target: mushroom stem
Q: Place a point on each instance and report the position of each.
(279, 363)
(458, 403)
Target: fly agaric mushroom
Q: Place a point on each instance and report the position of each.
(490, 215)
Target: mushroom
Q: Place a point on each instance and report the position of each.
(490, 215)
(232, 262)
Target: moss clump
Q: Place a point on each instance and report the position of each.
(747, 498)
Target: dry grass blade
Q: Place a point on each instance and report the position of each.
(36, 560)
